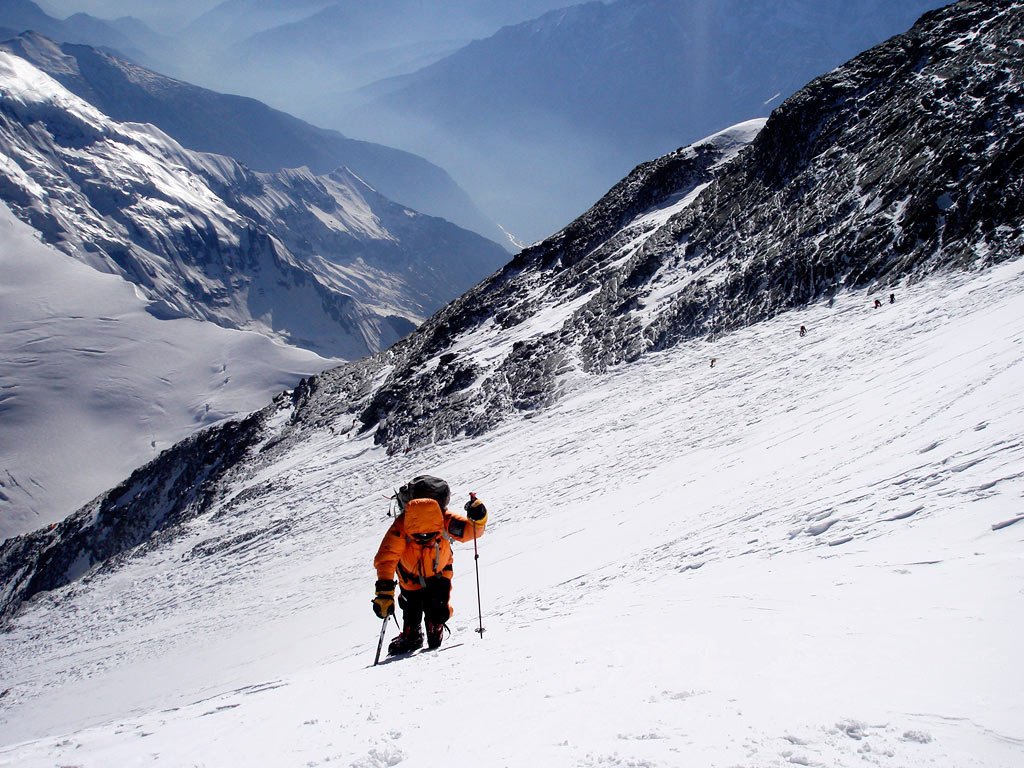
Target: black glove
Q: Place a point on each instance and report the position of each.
(384, 602)
(475, 509)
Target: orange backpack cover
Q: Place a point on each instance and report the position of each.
(423, 516)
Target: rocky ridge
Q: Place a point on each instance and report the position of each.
(905, 161)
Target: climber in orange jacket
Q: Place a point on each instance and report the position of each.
(418, 547)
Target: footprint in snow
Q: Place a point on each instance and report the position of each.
(793, 759)
(852, 728)
(917, 737)
(905, 515)
(380, 758)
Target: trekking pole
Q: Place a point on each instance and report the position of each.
(476, 563)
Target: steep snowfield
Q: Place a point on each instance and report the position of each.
(92, 385)
(806, 554)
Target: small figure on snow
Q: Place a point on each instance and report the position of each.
(713, 362)
(892, 298)
(418, 547)
(803, 331)
(877, 303)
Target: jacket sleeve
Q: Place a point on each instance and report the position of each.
(461, 528)
(390, 552)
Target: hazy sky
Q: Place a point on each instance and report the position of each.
(160, 14)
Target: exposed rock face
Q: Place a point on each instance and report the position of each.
(325, 263)
(905, 161)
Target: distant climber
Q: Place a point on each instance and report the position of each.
(418, 547)
(713, 362)
(892, 298)
(877, 303)
(803, 331)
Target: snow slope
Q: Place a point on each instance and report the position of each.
(92, 385)
(807, 554)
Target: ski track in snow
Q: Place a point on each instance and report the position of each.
(803, 555)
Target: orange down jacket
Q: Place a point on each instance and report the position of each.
(401, 550)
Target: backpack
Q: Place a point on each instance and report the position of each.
(423, 500)
(424, 487)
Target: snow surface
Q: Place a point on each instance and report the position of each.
(807, 554)
(92, 385)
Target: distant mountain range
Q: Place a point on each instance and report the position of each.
(168, 16)
(127, 36)
(232, 21)
(534, 119)
(538, 118)
(262, 138)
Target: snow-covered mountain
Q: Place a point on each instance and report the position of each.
(539, 118)
(720, 540)
(259, 137)
(322, 262)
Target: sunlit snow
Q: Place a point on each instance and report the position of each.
(808, 553)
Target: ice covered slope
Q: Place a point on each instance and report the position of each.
(325, 263)
(810, 553)
(92, 385)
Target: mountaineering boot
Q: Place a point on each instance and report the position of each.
(411, 639)
(434, 634)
